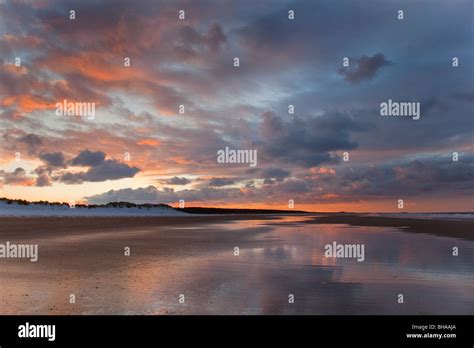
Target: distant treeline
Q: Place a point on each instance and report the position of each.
(197, 210)
(191, 210)
(89, 206)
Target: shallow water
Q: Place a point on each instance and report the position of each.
(276, 258)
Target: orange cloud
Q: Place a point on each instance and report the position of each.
(28, 103)
(180, 160)
(322, 170)
(21, 41)
(331, 195)
(148, 142)
(93, 65)
(26, 182)
(13, 69)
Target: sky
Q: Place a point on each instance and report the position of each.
(160, 122)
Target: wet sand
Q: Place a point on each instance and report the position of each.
(19, 228)
(86, 257)
(446, 228)
(279, 255)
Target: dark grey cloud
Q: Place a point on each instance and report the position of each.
(191, 41)
(53, 159)
(308, 142)
(32, 141)
(268, 30)
(176, 181)
(433, 132)
(425, 176)
(295, 186)
(363, 68)
(215, 37)
(272, 175)
(107, 170)
(88, 158)
(219, 182)
(43, 180)
(70, 178)
(110, 170)
(17, 177)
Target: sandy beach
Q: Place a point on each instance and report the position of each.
(20, 227)
(446, 228)
(194, 256)
(34, 227)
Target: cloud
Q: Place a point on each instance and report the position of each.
(277, 174)
(106, 170)
(308, 142)
(33, 142)
(425, 177)
(167, 195)
(365, 68)
(295, 186)
(99, 168)
(88, 158)
(219, 182)
(176, 181)
(191, 41)
(430, 176)
(215, 37)
(53, 159)
(18, 177)
(43, 180)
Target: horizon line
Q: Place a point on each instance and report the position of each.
(230, 208)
